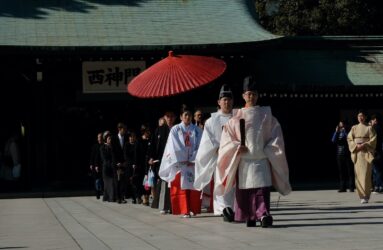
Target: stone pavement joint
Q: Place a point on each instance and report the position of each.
(306, 220)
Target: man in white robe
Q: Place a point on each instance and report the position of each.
(207, 155)
(256, 164)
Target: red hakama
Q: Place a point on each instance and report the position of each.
(184, 201)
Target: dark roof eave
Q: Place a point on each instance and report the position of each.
(10, 49)
(335, 41)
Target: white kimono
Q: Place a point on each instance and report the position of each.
(264, 164)
(206, 159)
(176, 154)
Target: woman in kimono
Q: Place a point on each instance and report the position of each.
(361, 142)
(177, 166)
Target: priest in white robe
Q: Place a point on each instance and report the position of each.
(256, 164)
(207, 155)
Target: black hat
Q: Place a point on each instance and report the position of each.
(225, 92)
(249, 84)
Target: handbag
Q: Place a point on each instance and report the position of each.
(145, 183)
(151, 177)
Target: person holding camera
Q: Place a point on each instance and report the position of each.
(343, 160)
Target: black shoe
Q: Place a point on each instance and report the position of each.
(351, 190)
(98, 195)
(119, 201)
(228, 214)
(266, 221)
(225, 218)
(342, 190)
(250, 223)
(134, 201)
(124, 201)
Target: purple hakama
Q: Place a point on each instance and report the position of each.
(251, 204)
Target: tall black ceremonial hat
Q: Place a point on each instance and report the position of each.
(225, 92)
(249, 84)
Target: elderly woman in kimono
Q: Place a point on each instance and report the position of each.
(177, 166)
(253, 160)
(362, 142)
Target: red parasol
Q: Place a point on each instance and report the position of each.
(176, 74)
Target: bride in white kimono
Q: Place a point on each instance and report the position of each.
(177, 166)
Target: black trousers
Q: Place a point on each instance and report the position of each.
(346, 172)
(120, 186)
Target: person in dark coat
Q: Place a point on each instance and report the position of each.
(145, 147)
(95, 165)
(107, 168)
(343, 159)
(161, 199)
(120, 175)
(133, 168)
(377, 164)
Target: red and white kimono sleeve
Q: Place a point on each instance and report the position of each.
(228, 157)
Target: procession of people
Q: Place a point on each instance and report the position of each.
(173, 168)
(234, 159)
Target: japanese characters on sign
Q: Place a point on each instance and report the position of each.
(109, 76)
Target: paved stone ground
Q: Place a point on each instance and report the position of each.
(303, 220)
